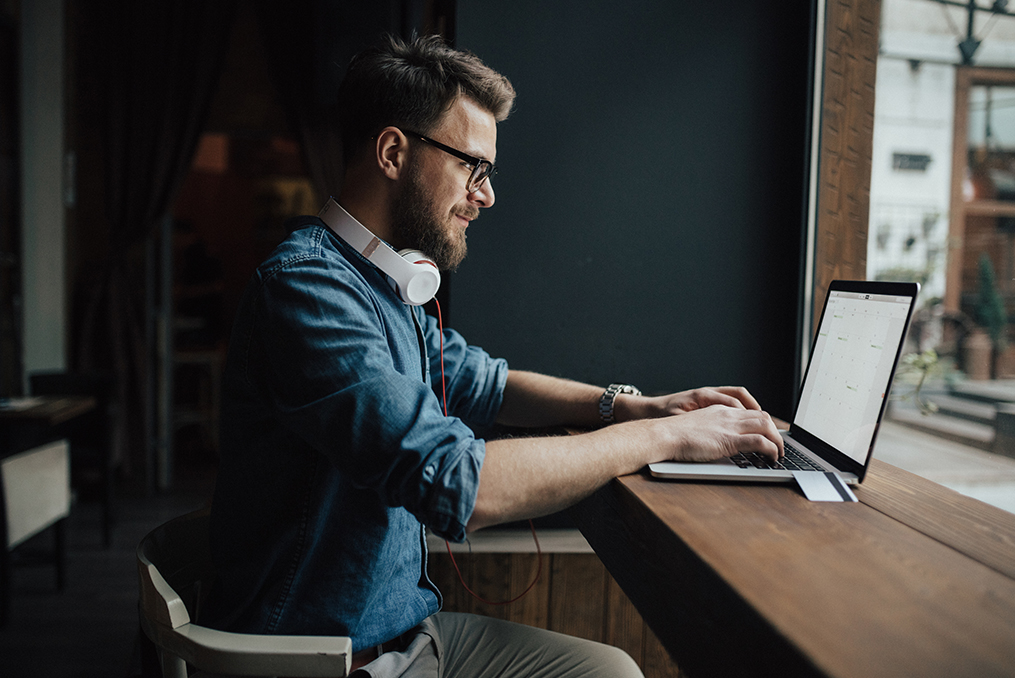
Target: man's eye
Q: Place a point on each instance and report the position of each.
(469, 166)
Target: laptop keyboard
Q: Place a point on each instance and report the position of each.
(792, 461)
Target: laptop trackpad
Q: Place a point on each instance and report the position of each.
(819, 486)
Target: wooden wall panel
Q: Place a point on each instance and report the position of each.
(656, 661)
(624, 627)
(442, 574)
(847, 131)
(534, 607)
(490, 579)
(578, 595)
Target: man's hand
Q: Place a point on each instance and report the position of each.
(728, 420)
(721, 431)
(629, 408)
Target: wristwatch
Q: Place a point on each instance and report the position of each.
(606, 400)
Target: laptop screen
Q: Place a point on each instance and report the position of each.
(850, 369)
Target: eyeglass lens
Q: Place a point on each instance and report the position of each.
(480, 173)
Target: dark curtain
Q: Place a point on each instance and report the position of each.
(308, 45)
(306, 81)
(163, 59)
(157, 67)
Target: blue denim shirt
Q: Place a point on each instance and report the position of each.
(335, 451)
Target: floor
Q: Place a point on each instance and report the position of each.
(90, 629)
(971, 471)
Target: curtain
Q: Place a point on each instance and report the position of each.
(308, 45)
(162, 63)
(157, 65)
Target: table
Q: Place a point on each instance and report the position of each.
(754, 580)
(46, 410)
(30, 424)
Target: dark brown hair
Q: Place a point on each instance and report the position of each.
(412, 85)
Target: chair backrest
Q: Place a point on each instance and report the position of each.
(175, 568)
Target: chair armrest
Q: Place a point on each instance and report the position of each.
(259, 655)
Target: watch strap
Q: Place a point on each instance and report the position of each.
(606, 400)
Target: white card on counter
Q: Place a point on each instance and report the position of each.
(821, 486)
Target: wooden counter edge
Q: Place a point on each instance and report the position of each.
(692, 611)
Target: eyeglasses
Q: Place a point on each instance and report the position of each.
(481, 169)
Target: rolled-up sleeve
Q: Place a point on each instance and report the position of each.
(344, 375)
(475, 381)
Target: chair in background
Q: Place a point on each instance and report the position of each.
(93, 462)
(175, 571)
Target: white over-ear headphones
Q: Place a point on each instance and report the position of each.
(415, 277)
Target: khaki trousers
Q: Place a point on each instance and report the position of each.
(455, 645)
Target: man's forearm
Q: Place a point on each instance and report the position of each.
(529, 477)
(535, 400)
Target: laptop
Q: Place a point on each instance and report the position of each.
(843, 395)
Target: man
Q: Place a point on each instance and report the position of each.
(336, 452)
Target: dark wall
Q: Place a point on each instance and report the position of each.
(650, 200)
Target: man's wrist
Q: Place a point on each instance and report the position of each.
(608, 401)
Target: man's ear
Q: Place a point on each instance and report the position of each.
(392, 152)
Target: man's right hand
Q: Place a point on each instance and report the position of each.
(719, 431)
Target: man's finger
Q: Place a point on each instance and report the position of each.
(711, 396)
(741, 394)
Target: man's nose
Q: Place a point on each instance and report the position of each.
(484, 195)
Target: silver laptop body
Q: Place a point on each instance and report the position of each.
(844, 391)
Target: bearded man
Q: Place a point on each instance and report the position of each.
(340, 445)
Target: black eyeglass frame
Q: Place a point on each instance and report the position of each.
(482, 169)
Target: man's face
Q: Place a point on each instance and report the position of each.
(433, 208)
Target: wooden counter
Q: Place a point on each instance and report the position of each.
(745, 580)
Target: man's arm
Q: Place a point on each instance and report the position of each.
(529, 477)
(537, 400)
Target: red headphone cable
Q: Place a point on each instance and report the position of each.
(539, 552)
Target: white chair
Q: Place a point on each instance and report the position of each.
(174, 571)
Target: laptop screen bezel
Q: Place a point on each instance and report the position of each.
(833, 456)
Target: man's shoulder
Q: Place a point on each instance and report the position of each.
(308, 242)
(312, 259)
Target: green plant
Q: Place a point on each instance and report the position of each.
(919, 366)
(990, 310)
(991, 313)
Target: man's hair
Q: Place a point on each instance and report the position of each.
(411, 86)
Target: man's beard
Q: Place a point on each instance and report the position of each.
(417, 224)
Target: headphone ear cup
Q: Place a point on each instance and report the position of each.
(413, 275)
(423, 282)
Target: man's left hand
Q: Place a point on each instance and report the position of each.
(639, 407)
